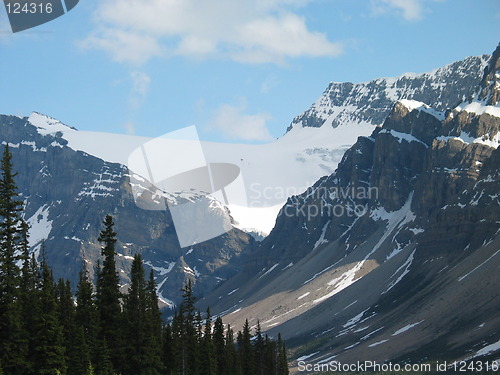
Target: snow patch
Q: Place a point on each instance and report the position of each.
(322, 239)
(355, 319)
(269, 271)
(403, 136)
(377, 343)
(478, 108)
(406, 328)
(413, 105)
(303, 295)
(406, 265)
(304, 357)
(40, 225)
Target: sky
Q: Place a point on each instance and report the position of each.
(239, 70)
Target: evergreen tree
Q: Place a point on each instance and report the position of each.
(11, 341)
(108, 297)
(270, 355)
(282, 363)
(219, 347)
(79, 358)
(49, 347)
(189, 360)
(28, 300)
(208, 360)
(169, 351)
(233, 366)
(246, 350)
(134, 311)
(66, 316)
(86, 325)
(154, 325)
(259, 352)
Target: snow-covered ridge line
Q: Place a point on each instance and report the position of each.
(422, 107)
(479, 108)
(467, 139)
(402, 136)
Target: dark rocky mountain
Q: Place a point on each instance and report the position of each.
(371, 102)
(67, 193)
(395, 256)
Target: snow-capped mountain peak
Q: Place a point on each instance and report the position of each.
(48, 125)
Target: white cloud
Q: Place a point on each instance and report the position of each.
(123, 45)
(129, 127)
(410, 9)
(140, 88)
(234, 124)
(252, 31)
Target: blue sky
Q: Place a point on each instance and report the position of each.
(239, 70)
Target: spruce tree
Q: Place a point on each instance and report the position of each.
(154, 325)
(11, 341)
(49, 351)
(66, 316)
(219, 347)
(28, 299)
(134, 311)
(282, 363)
(108, 297)
(232, 359)
(246, 350)
(190, 333)
(208, 360)
(169, 351)
(86, 323)
(270, 355)
(259, 352)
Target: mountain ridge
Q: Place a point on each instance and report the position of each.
(371, 101)
(385, 284)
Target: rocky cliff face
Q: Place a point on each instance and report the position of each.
(67, 193)
(395, 255)
(371, 102)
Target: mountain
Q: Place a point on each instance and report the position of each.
(70, 179)
(67, 194)
(273, 172)
(371, 102)
(394, 256)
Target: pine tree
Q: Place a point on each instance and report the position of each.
(154, 324)
(79, 358)
(11, 341)
(208, 360)
(108, 297)
(259, 352)
(86, 322)
(246, 350)
(232, 359)
(49, 347)
(28, 299)
(219, 347)
(189, 360)
(270, 355)
(134, 311)
(66, 317)
(169, 351)
(282, 363)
